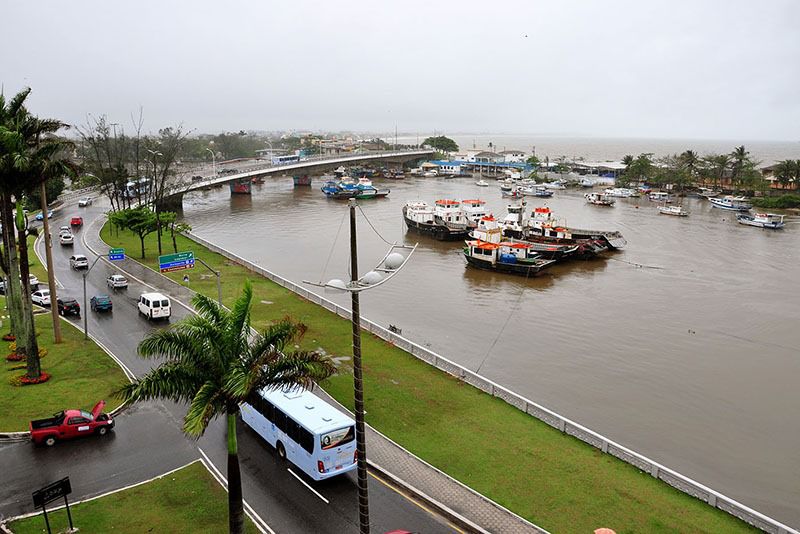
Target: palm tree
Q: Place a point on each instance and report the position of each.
(784, 172)
(740, 157)
(213, 362)
(33, 155)
(690, 160)
(627, 160)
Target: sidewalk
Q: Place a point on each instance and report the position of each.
(462, 505)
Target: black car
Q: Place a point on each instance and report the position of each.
(69, 307)
(101, 303)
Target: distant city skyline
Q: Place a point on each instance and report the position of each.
(618, 69)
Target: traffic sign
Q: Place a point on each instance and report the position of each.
(176, 262)
(116, 254)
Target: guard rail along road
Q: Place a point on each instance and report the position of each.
(673, 478)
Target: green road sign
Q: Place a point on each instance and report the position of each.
(172, 258)
(116, 254)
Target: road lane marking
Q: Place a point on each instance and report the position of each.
(315, 492)
(409, 499)
(259, 522)
(43, 262)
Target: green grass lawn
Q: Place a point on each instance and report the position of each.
(187, 501)
(82, 374)
(551, 479)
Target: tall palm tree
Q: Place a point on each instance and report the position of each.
(627, 160)
(784, 172)
(32, 155)
(213, 362)
(690, 159)
(739, 158)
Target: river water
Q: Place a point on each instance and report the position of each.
(685, 346)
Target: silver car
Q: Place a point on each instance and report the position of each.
(85, 201)
(116, 281)
(78, 261)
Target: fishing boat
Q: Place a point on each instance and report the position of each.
(537, 191)
(557, 184)
(621, 192)
(489, 230)
(482, 183)
(444, 221)
(678, 211)
(659, 196)
(773, 221)
(731, 203)
(704, 192)
(394, 174)
(587, 182)
(599, 199)
(514, 258)
(544, 226)
(513, 224)
(349, 189)
(473, 210)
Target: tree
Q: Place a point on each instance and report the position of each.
(441, 143)
(141, 221)
(164, 150)
(54, 187)
(31, 154)
(691, 161)
(715, 166)
(639, 169)
(213, 363)
(740, 161)
(627, 160)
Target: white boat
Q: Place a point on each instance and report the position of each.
(445, 221)
(732, 203)
(659, 196)
(599, 199)
(673, 210)
(621, 192)
(587, 182)
(473, 210)
(554, 185)
(415, 171)
(707, 193)
(482, 183)
(513, 224)
(535, 191)
(772, 221)
(430, 174)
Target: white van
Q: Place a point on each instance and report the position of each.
(154, 306)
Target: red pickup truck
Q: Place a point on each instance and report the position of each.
(71, 424)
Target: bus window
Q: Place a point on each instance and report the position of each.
(337, 438)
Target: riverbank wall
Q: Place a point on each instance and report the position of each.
(565, 425)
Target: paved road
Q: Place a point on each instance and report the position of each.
(147, 440)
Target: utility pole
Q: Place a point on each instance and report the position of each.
(51, 276)
(358, 382)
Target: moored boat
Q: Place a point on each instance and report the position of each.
(678, 211)
(536, 191)
(621, 192)
(482, 183)
(473, 210)
(444, 221)
(543, 225)
(659, 196)
(731, 203)
(514, 258)
(599, 199)
(772, 221)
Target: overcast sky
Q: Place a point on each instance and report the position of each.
(667, 69)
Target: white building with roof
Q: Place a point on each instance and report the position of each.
(514, 156)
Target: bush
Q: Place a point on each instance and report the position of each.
(781, 202)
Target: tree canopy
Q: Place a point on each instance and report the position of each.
(441, 143)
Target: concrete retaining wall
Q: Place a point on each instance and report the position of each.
(673, 478)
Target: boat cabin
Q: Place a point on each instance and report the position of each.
(473, 210)
(449, 212)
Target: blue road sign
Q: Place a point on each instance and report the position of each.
(116, 254)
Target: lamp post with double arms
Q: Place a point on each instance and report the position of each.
(394, 260)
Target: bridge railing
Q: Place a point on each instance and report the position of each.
(182, 184)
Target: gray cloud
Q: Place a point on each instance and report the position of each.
(713, 69)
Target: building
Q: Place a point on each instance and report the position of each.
(514, 156)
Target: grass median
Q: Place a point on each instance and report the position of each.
(551, 479)
(187, 501)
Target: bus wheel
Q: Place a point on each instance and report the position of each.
(281, 450)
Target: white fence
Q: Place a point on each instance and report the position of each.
(673, 478)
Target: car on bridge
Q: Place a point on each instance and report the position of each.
(71, 424)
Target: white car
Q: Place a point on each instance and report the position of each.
(65, 228)
(33, 280)
(116, 281)
(41, 297)
(85, 201)
(66, 239)
(78, 261)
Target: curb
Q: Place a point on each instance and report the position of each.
(446, 512)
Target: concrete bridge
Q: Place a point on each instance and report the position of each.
(241, 179)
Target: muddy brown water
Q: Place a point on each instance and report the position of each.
(685, 346)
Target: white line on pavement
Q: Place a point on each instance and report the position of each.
(315, 492)
(260, 523)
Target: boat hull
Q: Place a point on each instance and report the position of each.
(524, 268)
(758, 224)
(437, 231)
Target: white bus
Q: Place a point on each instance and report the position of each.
(306, 430)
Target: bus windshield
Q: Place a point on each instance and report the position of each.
(337, 438)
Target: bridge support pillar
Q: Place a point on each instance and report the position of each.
(242, 186)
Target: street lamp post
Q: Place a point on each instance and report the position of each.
(213, 161)
(390, 265)
(85, 307)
